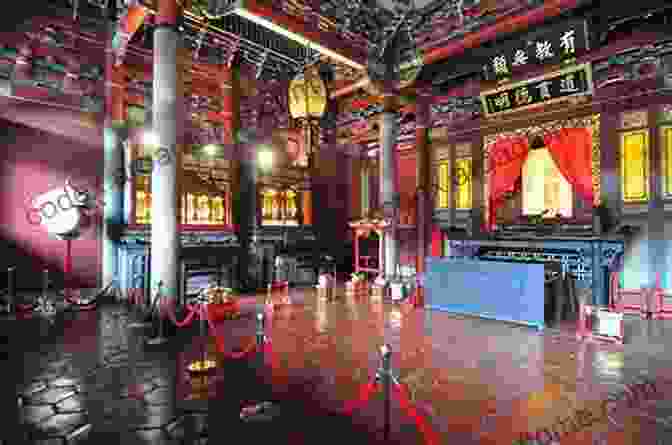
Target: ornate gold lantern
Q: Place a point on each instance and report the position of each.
(308, 98)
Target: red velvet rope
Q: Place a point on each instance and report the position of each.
(136, 296)
(430, 436)
(25, 307)
(81, 307)
(365, 393)
(167, 309)
(219, 342)
(367, 390)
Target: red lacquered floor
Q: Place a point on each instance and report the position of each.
(472, 380)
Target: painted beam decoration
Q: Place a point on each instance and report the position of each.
(555, 87)
(551, 45)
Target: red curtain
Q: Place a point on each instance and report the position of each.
(507, 157)
(437, 241)
(572, 151)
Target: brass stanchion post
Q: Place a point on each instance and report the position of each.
(160, 338)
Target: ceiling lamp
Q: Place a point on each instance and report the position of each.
(265, 157)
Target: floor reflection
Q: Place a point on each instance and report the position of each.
(473, 379)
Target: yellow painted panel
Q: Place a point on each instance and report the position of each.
(667, 168)
(635, 165)
(463, 182)
(443, 196)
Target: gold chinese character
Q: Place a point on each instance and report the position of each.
(567, 84)
(500, 66)
(502, 101)
(567, 42)
(520, 58)
(523, 96)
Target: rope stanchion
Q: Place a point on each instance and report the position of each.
(10, 292)
(430, 436)
(203, 366)
(160, 338)
(236, 355)
(44, 305)
(136, 298)
(385, 379)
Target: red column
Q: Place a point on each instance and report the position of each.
(437, 242)
(423, 219)
(230, 114)
(356, 251)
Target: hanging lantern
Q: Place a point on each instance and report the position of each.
(308, 95)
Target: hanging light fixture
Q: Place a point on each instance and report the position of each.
(308, 99)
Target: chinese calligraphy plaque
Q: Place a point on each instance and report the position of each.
(575, 81)
(550, 46)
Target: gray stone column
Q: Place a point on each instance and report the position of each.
(113, 169)
(165, 236)
(389, 192)
(248, 219)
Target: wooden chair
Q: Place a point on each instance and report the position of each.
(632, 301)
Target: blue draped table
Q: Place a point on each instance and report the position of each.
(511, 292)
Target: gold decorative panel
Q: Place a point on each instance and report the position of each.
(443, 195)
(635, 165)
(667, 158)
(463, 183)
(634, 119)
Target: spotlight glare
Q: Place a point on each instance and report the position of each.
(266, 158)
(150, 138)
(210, 150)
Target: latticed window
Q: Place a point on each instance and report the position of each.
(279, 207)
(635, 156)
(205, 198)
(204, 209)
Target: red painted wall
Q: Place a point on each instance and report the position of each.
(32, 162)
(407, 238)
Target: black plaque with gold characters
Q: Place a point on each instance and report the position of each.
(575, 81)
